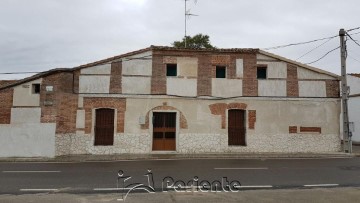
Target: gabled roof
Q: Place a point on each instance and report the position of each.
(167, 48)
(37, 76)
(299, 64)
(4, 83)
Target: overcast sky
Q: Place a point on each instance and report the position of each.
(37, 35)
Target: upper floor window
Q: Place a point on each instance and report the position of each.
(171, 70)
(35, 88)
(261, 73)
(220, 72)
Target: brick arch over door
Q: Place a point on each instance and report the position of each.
(90, 103)
(183, 121)
(220, 109)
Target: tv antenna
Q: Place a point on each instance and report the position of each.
(188, 14)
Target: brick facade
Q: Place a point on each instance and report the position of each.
(310, 129)
(6, 101)
(115, 78)
(59, 106)
(252, 119)
(91, 103)
(332, 88)
(292, 84)
(292, 129)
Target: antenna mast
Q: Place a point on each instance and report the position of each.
(187, 15)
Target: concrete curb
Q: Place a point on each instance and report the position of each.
(129, 157)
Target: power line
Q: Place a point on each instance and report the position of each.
(353, 39)
(315, 48)
(299, 43)
(323, 56)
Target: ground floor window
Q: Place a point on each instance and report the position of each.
(236, 127)
(104, 127)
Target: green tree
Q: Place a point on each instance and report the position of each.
(197, 41)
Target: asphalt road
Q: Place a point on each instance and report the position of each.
(101, 177)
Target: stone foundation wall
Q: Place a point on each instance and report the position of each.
(84, 144)
(200, 143)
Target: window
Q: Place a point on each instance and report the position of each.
(35, 88)
(171, 70)
(220, 72)
(261, 73)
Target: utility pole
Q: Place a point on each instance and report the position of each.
(344, 94)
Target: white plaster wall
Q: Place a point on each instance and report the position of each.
(94, 84)
(354, 116)
(312, 89)
(272, 88)
(222, 87)
(27, 140)
(354, 84)
(181, 86)
(23, 95)
(275, 69)
(100, 69)
(25, 115)
(303, 73)
(187, 66)
(136, 85)
(204, 133)
(239, 68)
(133, 66)
(80, 119)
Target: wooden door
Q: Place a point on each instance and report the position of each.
(236, 127)
(164, 131)
(104, 127)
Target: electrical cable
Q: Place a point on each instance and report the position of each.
(314, 48)
(323, 56)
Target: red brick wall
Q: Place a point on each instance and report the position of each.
(158, 79)
(292, 129)
(90, 103)
(250, 82)
(115, 78)
(252, 119)
(310, 129)
(292, 84)
(6, 101)
(332, 88)
(60, 105)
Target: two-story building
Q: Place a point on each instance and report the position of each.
(165, 99)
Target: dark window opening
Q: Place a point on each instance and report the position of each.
(171, 70)
(36, 88)
(261, 73)
(104, 127)
(220, 72)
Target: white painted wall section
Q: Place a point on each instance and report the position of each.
(263, 57)
(275, 88)
(181, 87)
(24, 96)
(354, 83)
(222, 87)
(275, 69)
(136, 85)
(354, 116)
(187, 66)
(25, 115)
(140, 64)
(303, 73)
(80, 119)
(100, 69)
(312, 89)
(94, 84)
(239, 68)
(27, 140)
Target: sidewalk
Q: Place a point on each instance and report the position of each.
(170, 156)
